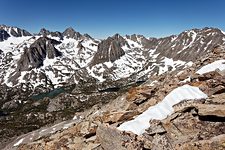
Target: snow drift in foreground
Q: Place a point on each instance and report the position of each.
(163, 109)
(219, 64)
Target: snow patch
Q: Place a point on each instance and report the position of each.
(109, 64)
(169, 62)
(222, 32)
(162, 109)
(219, 64)
(186, 80)
(18, 143)
(189, 64)
(193, 35)
(133, 44)
(75, 118)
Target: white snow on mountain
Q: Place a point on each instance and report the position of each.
(162, 109)
(222, 32)
(73, 58)
(78, 54)
(169, 62)
(12, 43)
(193, 35)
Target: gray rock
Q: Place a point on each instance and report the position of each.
(55, 105)
(34, 56)
(155, 128)
(19, 32)
(111, 138)
(46, 32)
(109, 50)
(10, 105)
(71, 33)
(3, 35)
(15, 31)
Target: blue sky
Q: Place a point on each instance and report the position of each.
(102, 18)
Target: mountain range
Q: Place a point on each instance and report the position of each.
(52, 59)
(47, 77)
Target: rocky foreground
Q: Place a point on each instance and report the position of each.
(194, 124)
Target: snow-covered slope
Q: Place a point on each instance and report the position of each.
(83, 57)
(76, 54)
(162, 109)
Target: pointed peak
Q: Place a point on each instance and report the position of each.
(88, 36)
(71, 33)
(69, 29)
(117, 35)
(2, 25)
(211, 29)
(15, 31)
(135, 36)
(44, 32)
(43, 29)
(6, 26)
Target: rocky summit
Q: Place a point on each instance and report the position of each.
(67, 90)
(110, 50)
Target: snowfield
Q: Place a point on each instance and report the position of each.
(162, 109)
(219, 64)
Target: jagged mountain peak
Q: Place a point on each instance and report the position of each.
(88, 36)
(116, 36)
(6, 26)
(15, 31)
(139, 50)
(44, 31)
(68, 33)
(110, 50)
(136, 35)
(137, 38)
(3, 35)
(204, 30)
(34, 55)
(71, 29)
(71, 33)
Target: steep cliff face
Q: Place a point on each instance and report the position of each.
(3, 35)
(109, 50)
(45, 32)
(34, 56)
(71, 33)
